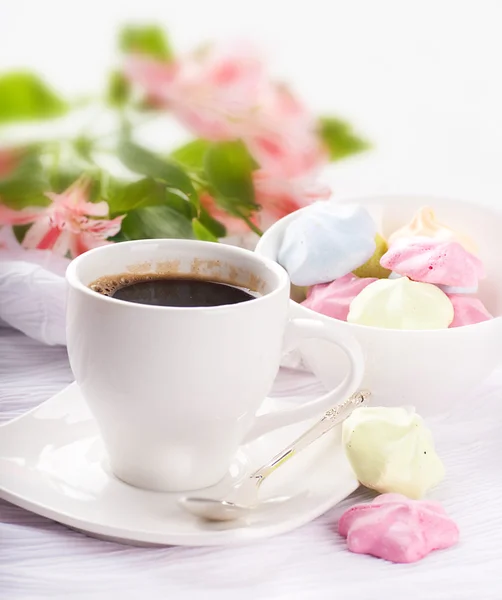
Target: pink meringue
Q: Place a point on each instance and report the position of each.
(434, 261)
(333, 299)
(468, 310)
(398, 529)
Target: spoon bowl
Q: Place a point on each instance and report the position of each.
(215, 510)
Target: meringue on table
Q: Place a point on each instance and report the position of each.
(326, 241)
(401, 304)
(391, 450)
(398, 529)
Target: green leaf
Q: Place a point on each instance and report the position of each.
(202, 233)
(156, 222)
(83, 147)
(144, 162)
(180, 202)
(139, 194)
(340, 139)
(148, 192)
(150, 40)
(25, 97)
(215, 227)
(228, 169)
(118, 89)
(191, 155)
(26, 184)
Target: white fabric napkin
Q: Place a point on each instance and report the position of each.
(32, 290)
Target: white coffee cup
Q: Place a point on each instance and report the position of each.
(175, 391)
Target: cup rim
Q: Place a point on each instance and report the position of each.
(275, 268)
(279, 225)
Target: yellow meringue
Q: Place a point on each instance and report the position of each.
(425, 224)
(391, 450)
(401, 304)
(372, 267)
(297, 293)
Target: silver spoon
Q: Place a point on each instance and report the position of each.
(243, 498)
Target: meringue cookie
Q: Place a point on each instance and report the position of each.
(326, 241)
(468, 310)
(424, 223)
(333, 299)
(391, 450)
(401, 304)
(298, 294)
(398, 529)
(434, 261)
(372, 267)
(447, 289)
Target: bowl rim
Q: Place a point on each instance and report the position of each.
(427, 199)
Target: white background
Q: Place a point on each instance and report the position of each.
(421, 78)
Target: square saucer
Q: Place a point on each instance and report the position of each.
(53, 463)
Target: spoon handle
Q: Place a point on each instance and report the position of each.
(332, 417)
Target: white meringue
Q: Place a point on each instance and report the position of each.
(425, 224)
(401, 304)
(391, 450)
(326, 241)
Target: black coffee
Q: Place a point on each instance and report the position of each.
(170, 291)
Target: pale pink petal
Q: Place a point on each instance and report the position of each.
(153, 76)
(74, 199)
(95, 209)
(285, 154)
(211, 91)
(234, 225)
(8, 240)
(9, 216)
(38, 233)
(103, 228)
(83, 242)
(282, 136)
(279, 197)
(62, 242)
(207, 124)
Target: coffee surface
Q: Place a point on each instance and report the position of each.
(170, 291)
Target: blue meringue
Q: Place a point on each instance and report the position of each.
(326, 241)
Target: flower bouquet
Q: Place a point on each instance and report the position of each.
(90, 173)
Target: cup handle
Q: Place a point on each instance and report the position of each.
(298, 330)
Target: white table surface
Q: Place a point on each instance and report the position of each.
(42, 559)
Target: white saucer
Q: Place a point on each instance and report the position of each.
(52, 462)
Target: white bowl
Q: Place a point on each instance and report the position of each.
(427, 369)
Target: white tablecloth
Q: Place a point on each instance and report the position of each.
(42, 559)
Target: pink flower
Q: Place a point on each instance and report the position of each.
(234, 225)
(64, 226)
(8, 241)
(279, 196)
(282, 136)
(11, 250)
(210, 91)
